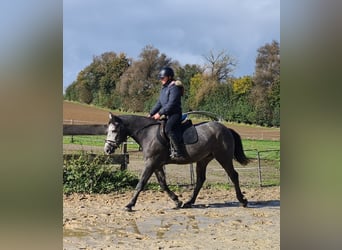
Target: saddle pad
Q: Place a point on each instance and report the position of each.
(189, 133)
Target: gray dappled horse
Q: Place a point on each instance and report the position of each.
(215, 141)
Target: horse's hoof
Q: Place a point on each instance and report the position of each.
(187, 205)
(178, 204)
(245, 203)
(128, 209)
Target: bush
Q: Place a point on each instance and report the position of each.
(84, 176)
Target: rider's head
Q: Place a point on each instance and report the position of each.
(166, 74)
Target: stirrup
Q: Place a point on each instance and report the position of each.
(175, 155)
(172, 152)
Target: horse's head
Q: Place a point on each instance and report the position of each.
(116, 134)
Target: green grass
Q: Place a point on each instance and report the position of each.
(84, 140)
(267, 149)
(259, 145)
(94, 140)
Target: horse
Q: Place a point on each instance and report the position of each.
(215, 141)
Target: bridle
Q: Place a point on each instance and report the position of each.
(117, 141)
(114, 144)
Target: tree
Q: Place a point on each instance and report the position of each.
(195, 83)
(217, 100)
(185, 74)
(265, 94)
(201, 87)
(70, 92)
(274, 100)
(219, 66)
(108, 69)
(140, 81)
(96, 83)
(267, 67)
(242, 85)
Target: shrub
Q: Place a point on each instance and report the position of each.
(84, 176)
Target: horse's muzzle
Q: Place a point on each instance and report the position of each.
(110, 146)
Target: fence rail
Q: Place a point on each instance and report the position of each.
(84, 129)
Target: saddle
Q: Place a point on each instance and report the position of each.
(188, 131)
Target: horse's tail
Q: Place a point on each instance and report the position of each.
(239, 154)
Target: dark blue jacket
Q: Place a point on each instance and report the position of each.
(169, 100)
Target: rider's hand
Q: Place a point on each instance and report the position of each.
(156, 116)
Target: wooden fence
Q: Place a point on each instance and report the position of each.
(95, 129)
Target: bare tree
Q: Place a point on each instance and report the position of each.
(220, 65)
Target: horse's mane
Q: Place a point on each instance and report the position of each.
(138, 120)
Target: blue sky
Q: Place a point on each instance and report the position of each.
(184, 30)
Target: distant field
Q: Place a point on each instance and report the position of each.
(81, 113)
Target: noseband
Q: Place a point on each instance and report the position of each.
(113, 144)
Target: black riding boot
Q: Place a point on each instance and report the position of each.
(178, 147)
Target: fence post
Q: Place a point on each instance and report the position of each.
(191, 174)
(72, 137)
(259, 168)
(123, 166)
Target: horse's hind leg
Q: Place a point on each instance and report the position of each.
(234, 176)
(201, 167)
(160, 174)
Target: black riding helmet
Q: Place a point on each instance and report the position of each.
(166, 71)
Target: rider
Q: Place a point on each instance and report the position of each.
(169, 104)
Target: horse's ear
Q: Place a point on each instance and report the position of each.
(114, 119)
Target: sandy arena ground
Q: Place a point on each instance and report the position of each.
(216, 222)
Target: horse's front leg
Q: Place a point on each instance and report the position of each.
(140, 186)
(160, 174)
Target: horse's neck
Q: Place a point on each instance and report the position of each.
(138, 127)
